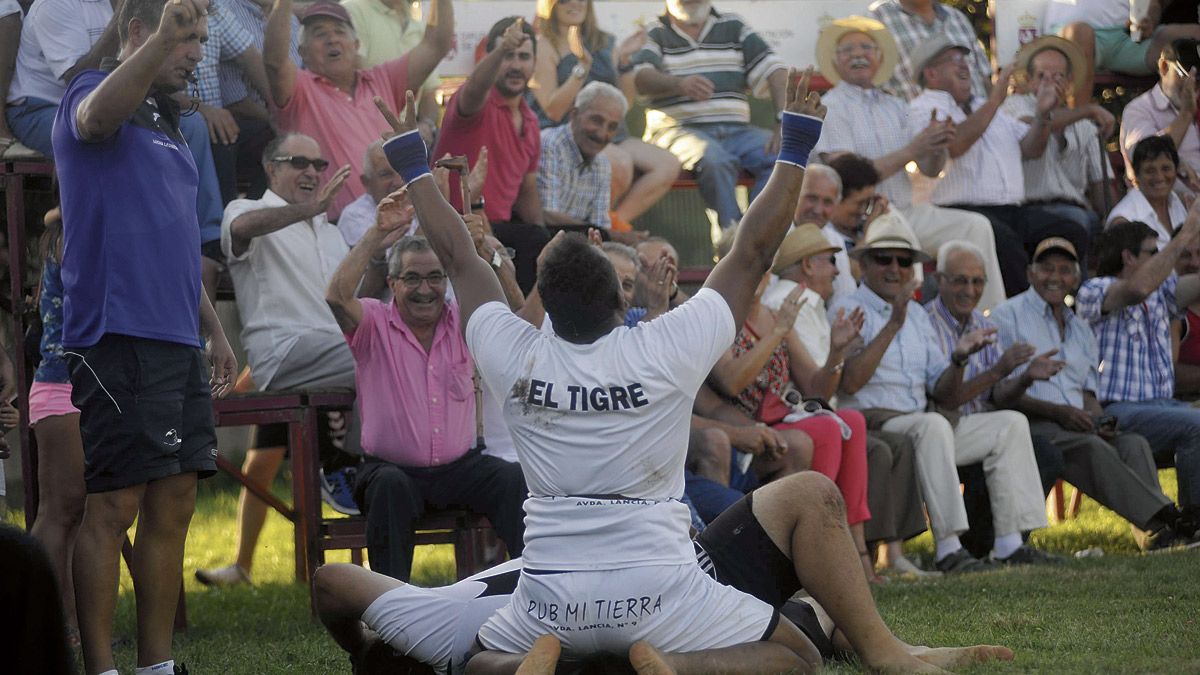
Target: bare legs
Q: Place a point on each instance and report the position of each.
(61, 498)
(658, 169)
(260, 468)
(343, 593)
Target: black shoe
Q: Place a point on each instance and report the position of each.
(180, 669)
(1028, 555)
(962, 562)
(1168, 539)
(1188, 524)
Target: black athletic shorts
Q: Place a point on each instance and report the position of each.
(743, 556)
(145, 411)
(212, 251)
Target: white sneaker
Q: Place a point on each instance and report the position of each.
(231, 575)
(904, 566)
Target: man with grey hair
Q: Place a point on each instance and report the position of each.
(820, 193)
(281, 251)
(380, 180)
(416, 400)
(574, 178)
(330, 98)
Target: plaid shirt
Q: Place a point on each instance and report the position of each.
(949, 330)
(728, 52)
(247, 14)
(570, 184)
(1137, 362)
(227, 40)
(870, 123)
(910, 30)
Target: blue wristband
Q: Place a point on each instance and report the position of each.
(798, 135)
(407, 155)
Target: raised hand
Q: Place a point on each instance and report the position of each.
(900, 303)
(1043, 367)
(632, 44)
(179, 19)
(845, 328)
(974, 341)
(1048, 97)
(403, 124)
(478, 174)
(575, 44)
(394, 211)
(654, 283)
(785, 318)
(330, 189)
(514, 36)
(800, 99)
(1002, 82)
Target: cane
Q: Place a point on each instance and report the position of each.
(1104, 169)
(463, 167)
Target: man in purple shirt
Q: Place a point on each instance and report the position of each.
(417, 403)
(133, 313)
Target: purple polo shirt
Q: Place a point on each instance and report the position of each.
(417, 408)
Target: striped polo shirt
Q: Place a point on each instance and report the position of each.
(728, 52)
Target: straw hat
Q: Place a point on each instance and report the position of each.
(831, 34)
(1076, 63)
(804, 241)
(929, 50)
(889, 231)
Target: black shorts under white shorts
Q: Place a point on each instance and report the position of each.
(145, 411)
(743, 556)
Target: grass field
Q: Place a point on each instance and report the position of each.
(1123, 612)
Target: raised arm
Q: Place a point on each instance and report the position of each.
(115, 99)
(950, 390)
(1033, 144)
(1151, 274)
(862, 362)
(557, 99)
(391, 218)
(474, 283)
(970, 129)
(475, 90)
(277, 39)
(260, 222)
(767, 220)
(436, 43)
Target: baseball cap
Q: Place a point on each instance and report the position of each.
(799, 244)
(1055, 244)
(332, 10)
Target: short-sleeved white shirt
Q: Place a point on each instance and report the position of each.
(601, 430)
(54, 36)
(280, 282)
(9, 7)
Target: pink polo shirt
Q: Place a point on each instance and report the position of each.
(417, 408)
(510, 155)
(343, 125)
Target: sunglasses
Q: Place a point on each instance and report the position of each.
(300, 162)
(883, 259)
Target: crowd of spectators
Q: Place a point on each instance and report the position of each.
(1061, 323)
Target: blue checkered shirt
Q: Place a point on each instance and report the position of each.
(569, 184)
(247, 14)
(910, 30)
(227, 40)
(949, 330)
(1135, 342)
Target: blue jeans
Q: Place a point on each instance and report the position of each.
(709, 499)
(31, 122)
(717, 152)
(1173, 430)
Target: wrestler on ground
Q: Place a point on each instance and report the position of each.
(782, 536)
(648, 499)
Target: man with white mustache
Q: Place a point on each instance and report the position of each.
(696, 70)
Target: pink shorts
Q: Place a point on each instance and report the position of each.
(47, 399)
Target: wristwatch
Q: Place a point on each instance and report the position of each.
(578, 72)
(497, 258)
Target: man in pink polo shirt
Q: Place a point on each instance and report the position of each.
(416, 401)
(331, 99)
(490, 109)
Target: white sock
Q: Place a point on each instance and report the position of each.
(948, 546)
(164, 668)
(1006, 544)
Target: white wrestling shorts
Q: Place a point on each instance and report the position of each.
(676, 608)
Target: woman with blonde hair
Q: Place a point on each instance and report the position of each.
(572, 51)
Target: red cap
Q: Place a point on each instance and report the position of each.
(333, 10)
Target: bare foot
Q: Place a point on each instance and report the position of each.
(647, 660)
(542, 658)
(956, 657)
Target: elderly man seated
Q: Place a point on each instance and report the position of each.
(1070, 170)
(858, 54)
(696, 69)
(913, 23)
(983, 172)
(1168, 109)
(281, 252)
(887, 377)
(574, 178)
(1130, 304)
(416, 399)
(1115, 468)
(807, 258)
(331, 98)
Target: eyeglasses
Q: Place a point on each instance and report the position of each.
(883, 259)
(412, 281)
(300, 162)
